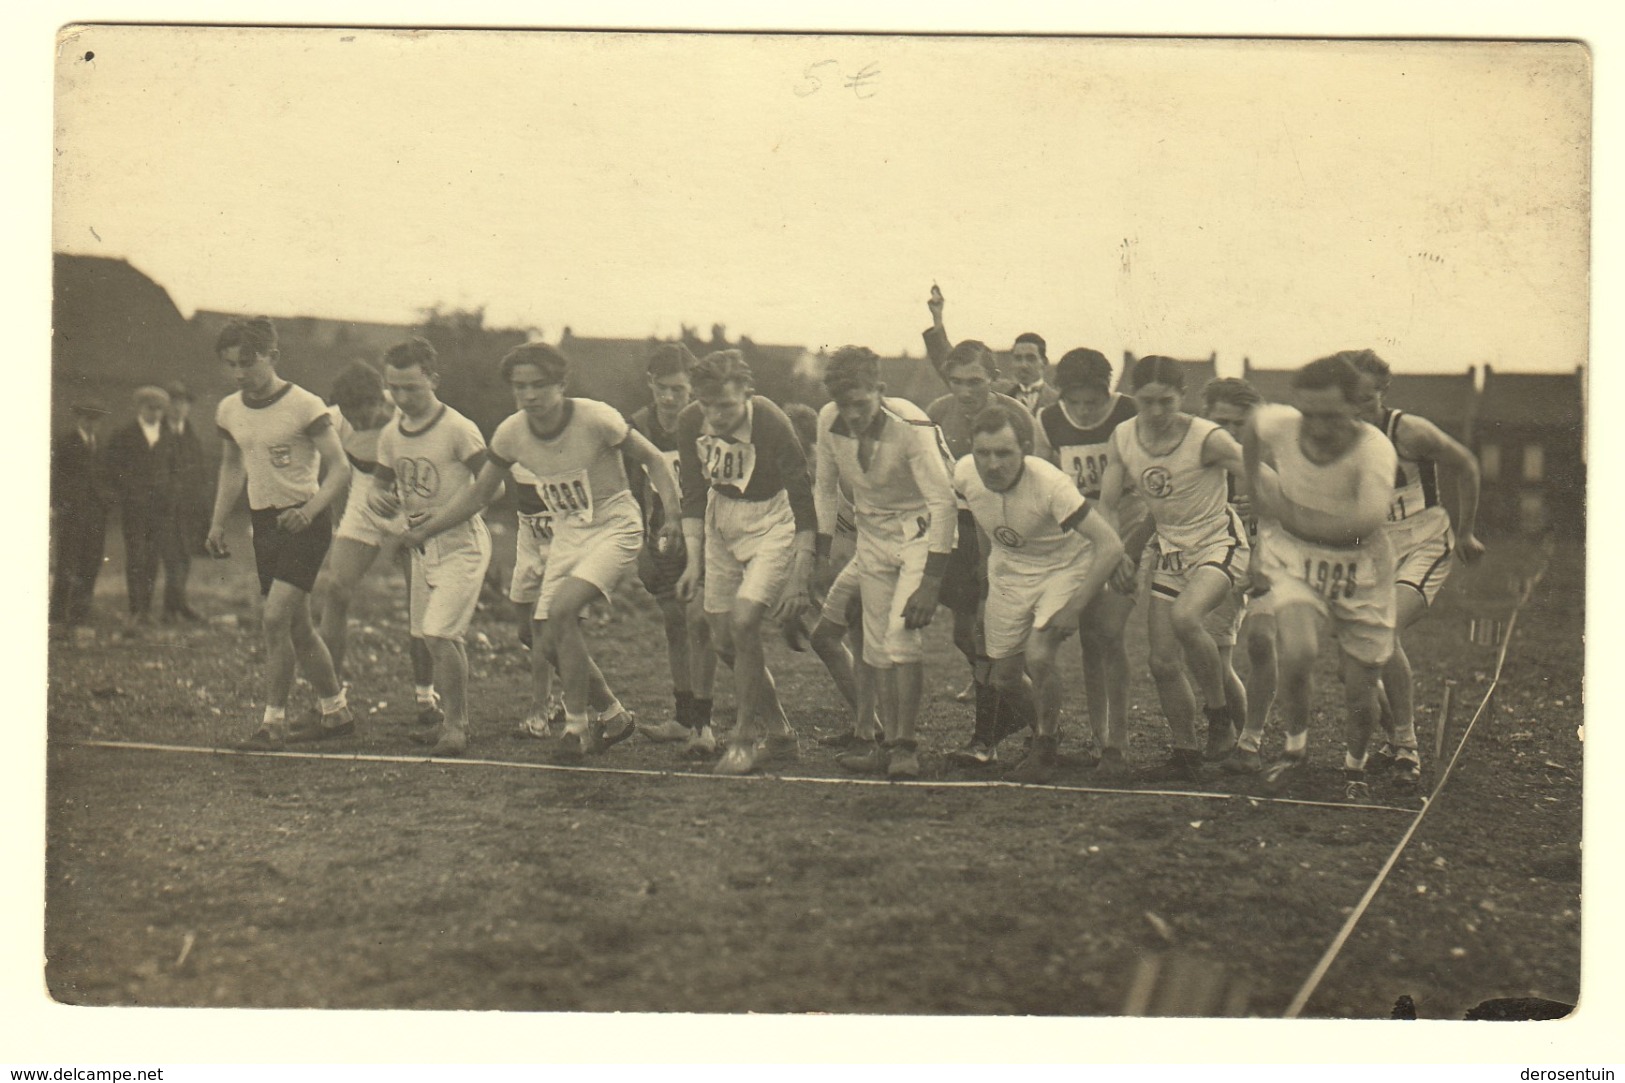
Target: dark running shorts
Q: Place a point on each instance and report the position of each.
(962, 582)
(293, 558)
(659, 574)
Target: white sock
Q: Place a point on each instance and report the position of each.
(1249, 742)
(1297, 743)
(612, 710)
(425, 694)
(332, 704)
(1352, 764)
(276, 716)
(575, 723)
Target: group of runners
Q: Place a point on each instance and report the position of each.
(1052, 508)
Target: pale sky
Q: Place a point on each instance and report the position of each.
(1280, 200)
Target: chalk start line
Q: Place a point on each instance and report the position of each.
(816, 780)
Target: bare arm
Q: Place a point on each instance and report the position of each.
(641, 450)
(335, 474)
(1221, 449)
(1108, 547)
(464, 506)
(229, 490)
(1425, 440)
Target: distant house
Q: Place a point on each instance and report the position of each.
(1530, 443)
(1197, 374)
(113, 330)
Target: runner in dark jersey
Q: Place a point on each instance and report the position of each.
(688, 634)
(1079, 430)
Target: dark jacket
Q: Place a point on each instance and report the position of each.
(144, 479)
(194, 484)
(79, 483)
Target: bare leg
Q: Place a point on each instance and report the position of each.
(1396, 673)
(451, 664)
(1168, 671)
(1258, 631)
(674, 619)
(348, 562)
(1205, 589)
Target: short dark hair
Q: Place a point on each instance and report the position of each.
(1157, 369)
(669, 359)
(804, 419)
(1368, 362)
(1232, 390)
(554, 365)
(992, 418)
(972, 351)
(1083, 367)
(852, 368)
(258, 335)
(415, 352)
(1037, 340)
(357, 384)
(1334, 371)
(721, 367)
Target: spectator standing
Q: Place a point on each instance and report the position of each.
(142, 468)
(194, 502)
(79, 499)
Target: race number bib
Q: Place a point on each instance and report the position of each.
(566, 496)
(1085, 464)
(539, 527)
(1331, 579)
(671, 458)
(1169, 559)
(726, 464)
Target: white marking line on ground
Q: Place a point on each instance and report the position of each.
(1343, 934)
(954, 784)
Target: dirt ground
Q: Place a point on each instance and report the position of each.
(231, 880)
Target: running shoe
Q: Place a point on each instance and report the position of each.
(453, 742)
(573, 746)
(430, 714)
(702, 744)
(264, 739)
(870, 761)
(1182, 765)
(538, 728)
(668, 732)
(1113, 767)
(1242, 761)
(1221, 734)
(779, 749)
(609, 732)
(1039, 765)
(975, 754)
(742, 758)
(319, 726)
(903, 762)
(1357, 789)
(1286, 772)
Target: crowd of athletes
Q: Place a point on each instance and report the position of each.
(1035, 506)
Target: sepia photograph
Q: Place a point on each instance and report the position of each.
(880, 525)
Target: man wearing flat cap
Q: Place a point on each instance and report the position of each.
(193, 506)
(79, 499)
(142, 464)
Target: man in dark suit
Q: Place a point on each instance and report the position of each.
(193, 504)
(142, 465)
(79, 499)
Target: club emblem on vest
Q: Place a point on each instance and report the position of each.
(1156, 481)
(1005, 536)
